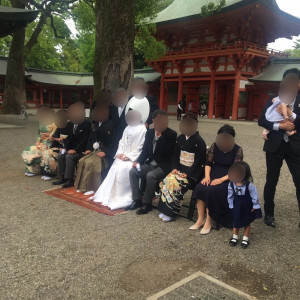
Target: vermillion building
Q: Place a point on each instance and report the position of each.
(210, 59)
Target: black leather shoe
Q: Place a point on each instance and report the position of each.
(270, 221)
(69, 183)
(134, 205)
(144, 210)
(59, 182)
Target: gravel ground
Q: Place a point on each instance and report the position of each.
(53, 249)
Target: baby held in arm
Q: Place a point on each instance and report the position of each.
(279, 112)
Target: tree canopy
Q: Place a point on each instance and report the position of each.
(63, 51)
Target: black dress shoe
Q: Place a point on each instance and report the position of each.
(135, 204)
(144, 210)
(59, 182)
(270, 221)
(69, 183)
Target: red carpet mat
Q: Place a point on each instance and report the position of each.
(71, 195)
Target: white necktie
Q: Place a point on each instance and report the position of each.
(75, 128)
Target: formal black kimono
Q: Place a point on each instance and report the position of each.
(189, 158)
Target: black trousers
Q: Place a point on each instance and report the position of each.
(179, 112)
(67, 164)
(274, 163)
(152, 175)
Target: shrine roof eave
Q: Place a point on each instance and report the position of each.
(11, 19)
(274, 72)
(236, 5)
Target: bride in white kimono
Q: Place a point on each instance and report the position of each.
(115, 191)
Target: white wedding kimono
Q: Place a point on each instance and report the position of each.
(141, 105)
(115, 191)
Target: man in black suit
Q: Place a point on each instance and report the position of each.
(79, 130)
(117, 116)
(154, 162)
(279, 147)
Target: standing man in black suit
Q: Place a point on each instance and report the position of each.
(279, 147)
(154, 163)
(117, 116)
(79, 130)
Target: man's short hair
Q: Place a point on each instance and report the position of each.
(292, 71)
(159, 112)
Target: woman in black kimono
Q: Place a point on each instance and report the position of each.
(188, 161)
(212, 191)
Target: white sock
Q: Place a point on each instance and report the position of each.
(235, 236)
(167, 219)
(245, 238)
(89, 193)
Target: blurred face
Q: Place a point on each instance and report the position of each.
(160, 123)
(288, 89)
(61, 119)
(236, 176)
(100, 114)
(120, 98)
(188, 127)
(133, 118)
(45, 115)
(76, 113)
(139, 89)
(225, 142)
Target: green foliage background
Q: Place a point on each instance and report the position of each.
(76, 53)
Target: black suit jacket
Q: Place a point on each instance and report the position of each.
(104, 136)
(275, 137)
(163, 150)
(78, 141)
(119, 126)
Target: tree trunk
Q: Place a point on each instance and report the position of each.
(14, 92)
(113, 66)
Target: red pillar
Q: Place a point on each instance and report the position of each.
(41, 97)
(236, 96)
(162, 90)
(211, 101)
(180, 88)
(61, 98)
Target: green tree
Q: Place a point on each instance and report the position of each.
(295, 52)
(212, 8)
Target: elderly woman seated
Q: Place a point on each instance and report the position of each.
(188, 162)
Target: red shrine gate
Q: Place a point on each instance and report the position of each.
(220, 52)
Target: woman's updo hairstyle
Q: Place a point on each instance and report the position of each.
(227, 129)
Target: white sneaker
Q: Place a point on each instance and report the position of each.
(92, 198)
(89, 193)
(46, 178)
(78, 191)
